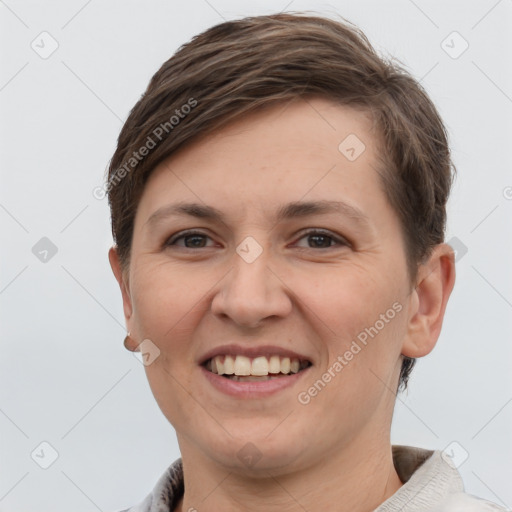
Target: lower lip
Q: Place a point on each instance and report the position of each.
(252, 389)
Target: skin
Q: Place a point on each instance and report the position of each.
(311, 295)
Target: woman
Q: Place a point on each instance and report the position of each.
(278, 205)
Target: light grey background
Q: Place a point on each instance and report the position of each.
(65, 377)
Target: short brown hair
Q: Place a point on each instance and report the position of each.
(240, 66)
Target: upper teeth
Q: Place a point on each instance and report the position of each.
(242, 365)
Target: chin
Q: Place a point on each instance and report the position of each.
(257, 453)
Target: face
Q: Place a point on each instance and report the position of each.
(292, 251)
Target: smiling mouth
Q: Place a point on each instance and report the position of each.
(257, 369)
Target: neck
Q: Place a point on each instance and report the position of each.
(357, 479)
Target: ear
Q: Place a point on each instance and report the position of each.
(122, 279)
(435, 282)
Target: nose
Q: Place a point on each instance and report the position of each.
(251, 292)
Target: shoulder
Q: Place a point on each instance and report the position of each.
(431, 483)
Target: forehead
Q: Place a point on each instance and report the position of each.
(306, 149)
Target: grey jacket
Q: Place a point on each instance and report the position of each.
(431, 484)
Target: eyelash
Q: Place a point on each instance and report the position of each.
(324, 233)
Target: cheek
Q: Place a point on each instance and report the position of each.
(172, 393)
(362, 346)
(167, 308)
(162, 300)
(169, 304)
(361, 315)
(344, 299)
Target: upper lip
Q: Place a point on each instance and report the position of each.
(261, 350)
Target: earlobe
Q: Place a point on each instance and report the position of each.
(122, 280)
(436, 279)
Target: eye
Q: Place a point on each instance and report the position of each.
(191, 240)
(321, 239)
(315, 239)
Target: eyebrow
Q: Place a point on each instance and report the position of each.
(288, 211)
